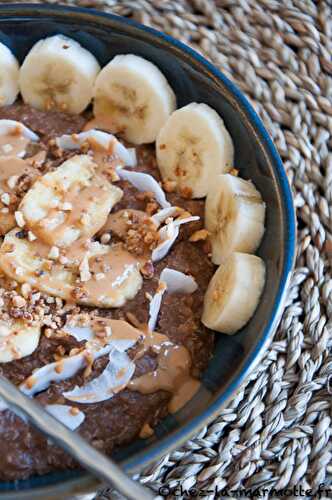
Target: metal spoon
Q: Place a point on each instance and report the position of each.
(91, 459)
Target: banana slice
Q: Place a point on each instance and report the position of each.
(15, 176)
(9, 71)
(17, 339)
(192, 148)
(234, 217)
(133, 97)
(58, 73)
(70, 203)
(105, 277)
(233, 293)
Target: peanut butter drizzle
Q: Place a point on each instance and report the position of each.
(12, 166)
(117, 222)
(172, 375)
(119, 329)
(81, 201)
(111, 268)
(37, 160)
(114, 267)
(105, 158)
(174, 361)
(13, 144)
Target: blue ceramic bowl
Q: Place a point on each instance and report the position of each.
(193, 79)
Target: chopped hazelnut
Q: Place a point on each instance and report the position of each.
(7, 148)
(105, 238)
(12, 181)
(200, 235)
(19, 219)
(26, 289)
(5, 198)
(31, 236)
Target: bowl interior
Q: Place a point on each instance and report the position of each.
(192, 80)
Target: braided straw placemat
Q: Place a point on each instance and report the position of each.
(277, 432)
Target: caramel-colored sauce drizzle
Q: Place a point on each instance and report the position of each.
(172, 373)
(117, 222)
(113, 266)
(13, 144)
(81, 200)
(174, 362)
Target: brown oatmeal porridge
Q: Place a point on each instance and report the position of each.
(113, 221)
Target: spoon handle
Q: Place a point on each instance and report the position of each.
(91, 459)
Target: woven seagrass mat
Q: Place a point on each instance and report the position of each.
(277, 432)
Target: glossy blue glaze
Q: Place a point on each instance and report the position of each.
(194, 79)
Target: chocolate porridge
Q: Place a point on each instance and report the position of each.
(127, 238)
(131, 413)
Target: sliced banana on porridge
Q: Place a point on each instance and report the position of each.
(69, 203)
(9, 71)
(93, 274)
(234, 217)
(133, 97)
(233, 293)
(15, 178)
(17, 339)
(58, 73)
(192, 148)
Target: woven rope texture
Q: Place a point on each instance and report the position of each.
(277, 432)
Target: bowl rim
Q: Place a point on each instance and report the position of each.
(178, 437)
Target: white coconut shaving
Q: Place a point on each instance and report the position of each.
(178, 282)
(167, 236)
(164, 214)
(86, 333)
(114, 378)
(66, 415)
(155, 305)
(80, 333)
(3, 405)
(61, 370)
(103, 139)
(171, 281)
(144, 182)
(11, 126)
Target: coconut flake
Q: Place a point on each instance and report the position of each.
(66, 416)
(178, 282)
(79, 332)
(60, 370)
(163, 214)
(86, 333)
(178, 222)
(154, 308)
(115, 377)
(3, 405)
(171, 281)
(107, 141)
(168, 235)
(144, 182)
(10, 126)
